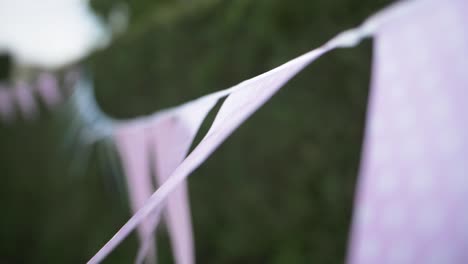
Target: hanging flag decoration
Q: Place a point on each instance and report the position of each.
(413, 186)
(48, 89)
(25, 101)
(164, 139)
(171, 142)
(132, 145)
(411, 204)
(21, 99)
(242, 101)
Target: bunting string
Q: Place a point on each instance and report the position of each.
(241, 102)
(410, 202)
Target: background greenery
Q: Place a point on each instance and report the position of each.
(280, 190)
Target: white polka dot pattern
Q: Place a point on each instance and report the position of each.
(412, 197)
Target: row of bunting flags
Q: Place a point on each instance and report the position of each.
(410, 204)
(20, 100)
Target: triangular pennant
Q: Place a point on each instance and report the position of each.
(132, 144)
(411, 202)
(244, 100)
(48, 88)
(25, 101)
(172, 134)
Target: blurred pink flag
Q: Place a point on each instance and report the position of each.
(172, 139)
(414, 167)
(48, 88)
(412, 197)
(21, 97)
(25, 101)
(243, 100)
(131, 142)
(167, 137)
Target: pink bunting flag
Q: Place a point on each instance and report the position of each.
(25, 101)
(7, 109)
(242, 102)
(22, 96)
(168, 136)
(131, 141)
(171, 142)
(411, 204)
(48, 88)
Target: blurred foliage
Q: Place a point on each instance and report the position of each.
(280, 190)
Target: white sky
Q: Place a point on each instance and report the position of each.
(49, 33)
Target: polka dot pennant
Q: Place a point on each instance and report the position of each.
(412, 196)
